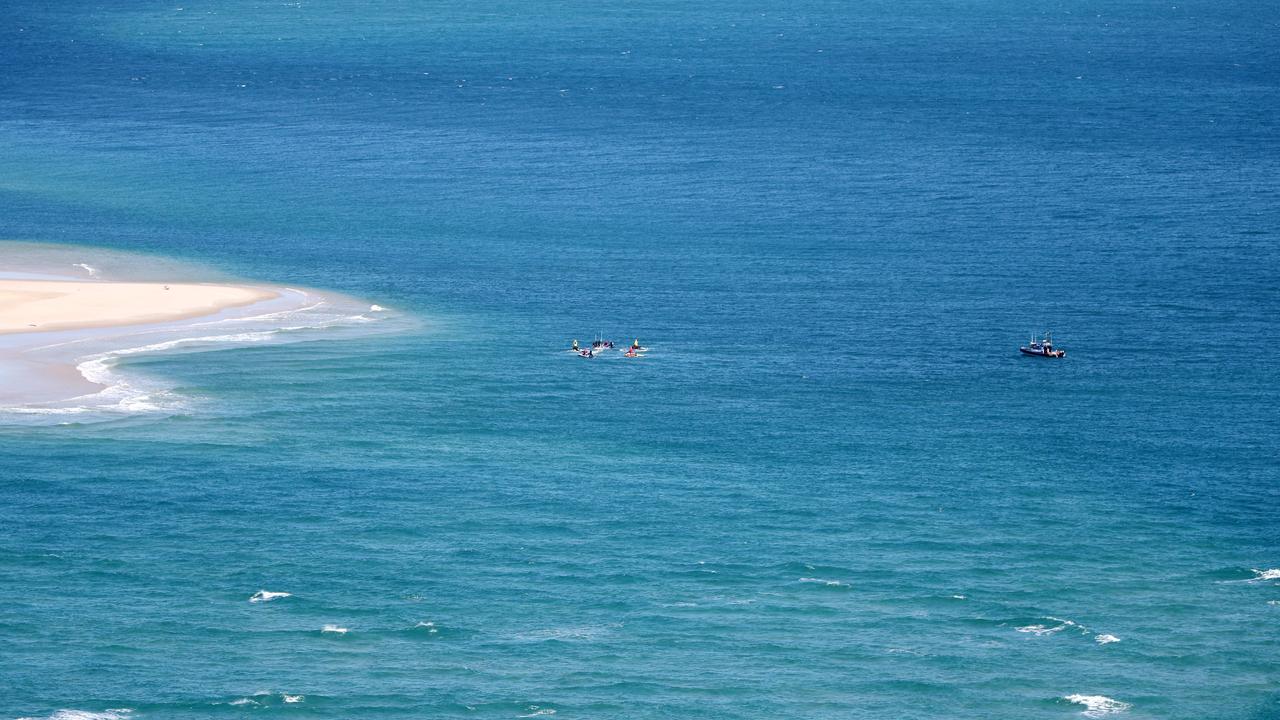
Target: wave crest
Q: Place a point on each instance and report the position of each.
(1097, 705)
(112, 714)
(824, 582)
(100, 355)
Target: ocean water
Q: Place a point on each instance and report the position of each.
(832, 489)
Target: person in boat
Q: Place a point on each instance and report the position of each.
(636, 345)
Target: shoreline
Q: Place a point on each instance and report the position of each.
(63, 335)
(34, 306)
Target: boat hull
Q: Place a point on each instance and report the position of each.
(1040, 353)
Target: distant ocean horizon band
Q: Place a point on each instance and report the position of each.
(69, 316)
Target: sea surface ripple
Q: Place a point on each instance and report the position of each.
(831, 489)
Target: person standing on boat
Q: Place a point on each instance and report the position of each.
(575, 343)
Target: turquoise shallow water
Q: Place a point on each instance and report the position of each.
(832, 489)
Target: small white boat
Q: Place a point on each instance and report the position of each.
(1042, 347)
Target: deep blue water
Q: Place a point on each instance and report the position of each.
(832, 490)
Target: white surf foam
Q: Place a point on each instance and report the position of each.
(93, 272)
(113, 714)
(267, 596)
(335, 629)
(132, 394)
(1097, 705)
(1040, 629)
(1048, 629)
(1258, 576)
(96, 363)
(264, 317)
(538, 712)
(828, 583)
(1105, 639)
(292, 698)
(124, 392)
(430, 627)
(376, 308)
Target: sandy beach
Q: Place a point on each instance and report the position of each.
(44, 305)
(70, 315)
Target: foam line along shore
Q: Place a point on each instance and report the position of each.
(65, 327)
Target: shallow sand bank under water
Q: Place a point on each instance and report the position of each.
(69, 316)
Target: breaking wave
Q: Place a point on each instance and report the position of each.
(824, 583)
(1097, 705)
(1252, 575)
(1040, 629)
(263, 699)
(1055, 625)
(430, 630)
(115, 714)
(267, 596)
(100, 355)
